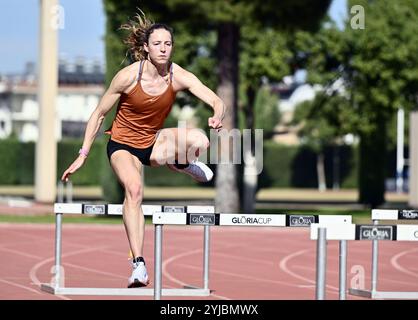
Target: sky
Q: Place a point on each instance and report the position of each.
(82, 33)
(338, 12)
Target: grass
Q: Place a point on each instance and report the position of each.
(51, 219)
(67, 219)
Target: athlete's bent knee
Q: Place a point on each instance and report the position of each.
(198, 139)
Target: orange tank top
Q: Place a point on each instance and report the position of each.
(139, 115)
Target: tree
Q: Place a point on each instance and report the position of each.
(229, 19)
(323, 122)
(266, 112)
(262, 60)
(380, 71)
(385, 78)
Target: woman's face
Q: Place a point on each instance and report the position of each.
(159, 46)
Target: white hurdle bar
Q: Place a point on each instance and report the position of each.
(377, 215)
(361, 232)
(231, 219)
(116, 209)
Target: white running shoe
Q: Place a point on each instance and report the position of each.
(197, 170)
(139, 277)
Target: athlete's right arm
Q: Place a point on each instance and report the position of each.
(119, 84)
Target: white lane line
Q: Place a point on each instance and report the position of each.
(20, 286)
(395, 262)
(175, 280)
(27, 255)
(283, 266)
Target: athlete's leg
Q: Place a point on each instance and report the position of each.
(128, 170)
(181, 145)
(179, 149)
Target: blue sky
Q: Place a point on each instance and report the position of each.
(338, 11)
(82, 34)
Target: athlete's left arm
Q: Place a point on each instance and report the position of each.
(190, 82)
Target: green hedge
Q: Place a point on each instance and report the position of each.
(90, 173)
(18, 162)
(295, 166)
(284, 166)
(162, 176)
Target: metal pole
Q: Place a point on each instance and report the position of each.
(58, 241)
(60, 196)
(400, 161)
(158, 261)
(69, 191)
(413, 159)
(206, 244)
(343, 268)
(375, 252)
(321, 263)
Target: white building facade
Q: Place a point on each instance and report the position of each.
(78, 95)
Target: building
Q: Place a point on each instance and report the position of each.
(80, 88)
(292, 91)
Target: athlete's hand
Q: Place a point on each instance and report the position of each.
(215, 123)
(73, 167)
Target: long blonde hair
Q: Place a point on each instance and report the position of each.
(139, 32)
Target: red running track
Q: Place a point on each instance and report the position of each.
(246, 263)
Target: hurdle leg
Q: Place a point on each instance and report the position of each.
(375, 253)
(158, 235)
(58, 248)
(343, 268)
(55, 285)
(69, 191)
(321, 262)
(206, 244)
(60, 191)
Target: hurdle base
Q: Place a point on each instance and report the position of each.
(198, 292)
(384, 294)
(360, 293)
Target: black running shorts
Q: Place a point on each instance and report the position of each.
(142, 154)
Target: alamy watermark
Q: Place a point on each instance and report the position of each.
(223, 146)
(57, 19)
(358, 278)
(358, 19)
(58, 280)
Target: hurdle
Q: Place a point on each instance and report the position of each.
(160, 219)
(360, 232)
(116, 209)
(377, 215)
